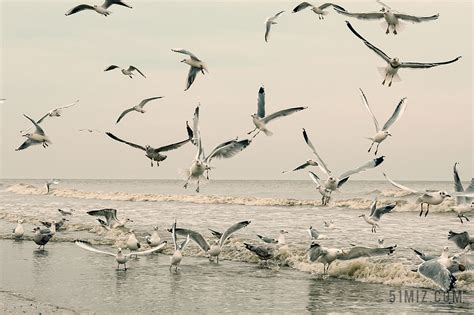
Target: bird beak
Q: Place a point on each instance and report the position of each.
(390, 134)
(448, 195)
(361, 216)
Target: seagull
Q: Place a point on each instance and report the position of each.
(128, 72)
(380, 242)
(382, 134)
(326, 256)
(391, 17)
(154, 154)
(37, 137)
(90, 130)
(66, 212)
(132, 242)
(260, 119)
(51, 182)
(153, 239)
(315, 235)
(318, 10)
(99, 9)
(429, 197)
(55, 112)
(268, 240)
(304, 165)
(57, 225)
(137, 108)
(213, 250)
(263, 252)
(41, 238)
(268, 24)
(458, 187)
(195, 64)
(394, 64)
(177, 256)
(111, 218)
(462, 240)
(376, 214)
(280, 241)
(119, 256)
(201, 163)
(332, 183)
(18, 231)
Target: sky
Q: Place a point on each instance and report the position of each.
(49, 59)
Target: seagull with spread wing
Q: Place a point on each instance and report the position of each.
(332, 182)
(260, 119)
(51, 182)
(390, 72)
(382, 134)
(137, 108)
(268, 24)
(37, 137)
(196, 65)
(128, 72)
(101, 9)
(392, 18)
(463, 204)
(154, 154)
(201, 162)
(177, 256)
(320, 11)
(376, 214)
(110, 215)
(55, 112)
(308, 162)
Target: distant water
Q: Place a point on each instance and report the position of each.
(237, 284)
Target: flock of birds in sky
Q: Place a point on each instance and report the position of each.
(439, 269)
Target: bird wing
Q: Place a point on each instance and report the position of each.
(366, 103)
(373, 206)
(321, 163)
(260, 251)
(125, 112)
(193, 71)
(419, 65)
(399, 110)
(111, 67)
(68, 105)
(146, 100)
(342, 181)
(109, 214)
(261, 102)
(79, 8)
(173, 235)
(148, 251)
(313, 234)
(38, 130)
(228, 149)
(186, 52)
(302, 166)
(301, 6)
(422, 255)
(437, 273)
(215, 233)
(361, 16)
(314, 178)
(278, 14)
(399, 185)
(41, 119)
(231, 230)
(282, 113)
(375, 49)
(315, 251)
(457, 180)
(355, 252)
(137, 146)
(132, 68)
(108, 3)
(88, 247)
(460, 239)
(383, 210)
(172, 146)
(25, 144)
(369, 165)
(196, 237)
(413, 18)
(185, 243)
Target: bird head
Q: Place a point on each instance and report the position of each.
(386, 132)
(444, 194)
(395, 62)
(119, 250)
(184, 60)
(283, 231)
(147, 147)
(155, 228)
(20, 221)
(128, 220)
(27, 135)
(380, 240)
(254, 116)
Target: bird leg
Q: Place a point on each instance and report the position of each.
(377, 148)
(390, 83)
(252, 130)
(125, 266)
(460, 218)
(388, 29)
(151, 161)
(385, 79)
(427, 209)
(394, 31)
(421, 206)
(187, 182)
(217, 260)
(197, 188)
(370, 147)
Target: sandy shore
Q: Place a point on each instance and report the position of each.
(14, 303)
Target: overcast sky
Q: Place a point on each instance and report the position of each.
(49, 60)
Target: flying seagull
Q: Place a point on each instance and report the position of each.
(37, 137)
(332, 183)
(201, 162)
(458, 187)
(41, 238)
(102, 9)
(320, 11)
(18, 231)
(376, 214)
(120, 257)
(268, 24)
(195, 64)
(137, 108)
(110, 216)
(260, 120)
(303, 166)
(392, 18)
(462, 240)
(177, 256)
(394, 64)
(55, 112)
(128, 72)
(154, 154)
(382, 134)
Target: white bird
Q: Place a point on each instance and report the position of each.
(438, 271)
(462, 203)
(154, 154)
(392, 18)
(213, 250)
(132, 243)
(429, 197)
(102, 9)
(376, 214)
(308, 162)
(177, 256)
(55, 112)
(269, 22)
(462, 240)
(380, 242)
(195, 64)
(394, 64)
(128, 71)
(320, 11)
(332, 183)
(42, 237)
(280, 241)
(18, 231)
(154, 238)
(37, 137)
(313, 234)
(382, 134)
(111, 218)
(137, 108)
(260, 120)
(120, 257)
(66, 212)
(201, 163)
(51, 182)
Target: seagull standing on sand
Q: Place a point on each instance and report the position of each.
(41, 238)
(120, 257)
(51, 182)
(55, 112)
(111, 218)
(18, 231)
(128, 72)
(332, 183)
(37, 137)
(382, 134)
(320, 11)
(376, 214)
(102, 9)
(390, 72)
(132, 243)
(177, 256)
(195, 64)
(137, 108)
(268, 24)
(260, 120)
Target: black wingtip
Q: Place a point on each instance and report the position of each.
(305, 136)
(379, 160)
(261, 90)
